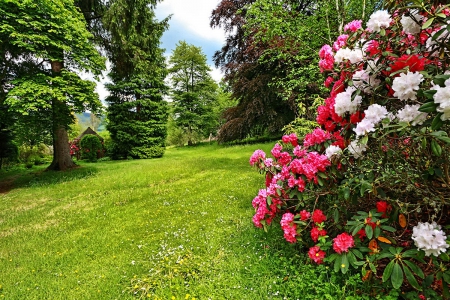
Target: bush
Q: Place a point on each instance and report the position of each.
(368, 191)
(90, 147)
(147, 152)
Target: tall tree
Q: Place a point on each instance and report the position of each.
(194, 92)
(44, 43)
(137, 112)
(269, 58)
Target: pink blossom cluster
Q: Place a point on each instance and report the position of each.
(318, 136)
(257, 157)
(263, 211)
(289, 227)
(353, 26)
(343, 242)
(326, 62)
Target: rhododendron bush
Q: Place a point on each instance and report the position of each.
(370, 188)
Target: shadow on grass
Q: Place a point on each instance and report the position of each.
(39, 176)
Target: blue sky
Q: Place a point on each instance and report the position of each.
(189, 23)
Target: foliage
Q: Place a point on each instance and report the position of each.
(137, 112)
(45, 42)
(90, 147)
(9, 151)
(260, 106)
(377, 171)
(194, 92)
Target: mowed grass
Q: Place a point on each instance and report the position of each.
(178, 227)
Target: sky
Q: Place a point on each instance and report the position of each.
(190, 23)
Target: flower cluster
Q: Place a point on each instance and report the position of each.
(430, 238)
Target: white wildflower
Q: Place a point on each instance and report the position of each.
(333, 151)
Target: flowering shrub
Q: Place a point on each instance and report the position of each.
(90, 147)
(378, 166)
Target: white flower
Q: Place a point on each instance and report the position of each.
(344, 102)
(430, 238)
(411, 114)
(442, 97)
(333, 150)
(363, 81)
(356, 149)
(378, 20)
(376, 113)
(406, 85)
(354, 56)
(433, 43)
(411, 23)
(373, 115)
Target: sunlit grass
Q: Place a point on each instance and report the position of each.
(177, 227)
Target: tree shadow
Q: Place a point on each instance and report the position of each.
(41, 177)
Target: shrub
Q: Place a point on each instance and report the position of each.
(369, 189)
(147, 152)
(90, 147)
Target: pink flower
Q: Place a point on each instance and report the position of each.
(304, 215)
(340, 42)
(289, 227)
(316, 232)
(318, 216)
(318, 136)
(284, 158)
(276, 151)
(328, 81)
(299, 152)
(256, 156)
(316, 254)
(353, 26)
(343, 242)
(325, 51)
(292, 138)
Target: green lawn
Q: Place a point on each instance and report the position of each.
(178, 227)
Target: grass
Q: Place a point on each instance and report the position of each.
(178, 227)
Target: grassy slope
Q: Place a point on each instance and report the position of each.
(176, 226)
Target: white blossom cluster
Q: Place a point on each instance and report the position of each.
(406, 85)
(344, 102)
(364, 81)
(430, 238)
(356, 149)
(378, 20)
(411, 114)
(333, 151)
(442, 97)
(354, 56)
(373, 115)
(411, 23)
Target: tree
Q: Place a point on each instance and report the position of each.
(44, 43)
(194, 92)
(269, 58)
(137, 112)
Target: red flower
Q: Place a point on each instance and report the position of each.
(343, 242)
(316, 232)
(316, 254)
(304, 215)
(411, 62)
(318, 216)
(383, 207)
(361, 233)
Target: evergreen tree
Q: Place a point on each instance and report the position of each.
(137, 112)
(194, 92)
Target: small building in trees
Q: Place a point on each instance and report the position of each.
(75, 149)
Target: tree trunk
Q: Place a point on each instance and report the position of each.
(61, 150)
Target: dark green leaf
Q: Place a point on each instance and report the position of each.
(415, 268)
(388, 271)
(397, 276)
(411, 279)
(369, 232)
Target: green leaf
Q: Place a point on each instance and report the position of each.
(388, 228)
(428, 107)
(337, 263)
(410, 253)
(437, 122)
(344, 263)
(388, 271)
(444, 139)
(397, 276)
(369, 232)
(415, 268)
(436, 148)
(411, 279)
(428, 281)
(427, 23)
(357, 228)
(336, 216)
(346, 193)
(377, 231)
(357, 253)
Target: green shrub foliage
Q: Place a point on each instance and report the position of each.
(90, 147)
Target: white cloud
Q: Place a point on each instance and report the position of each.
(216, 74)
(194, 15)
